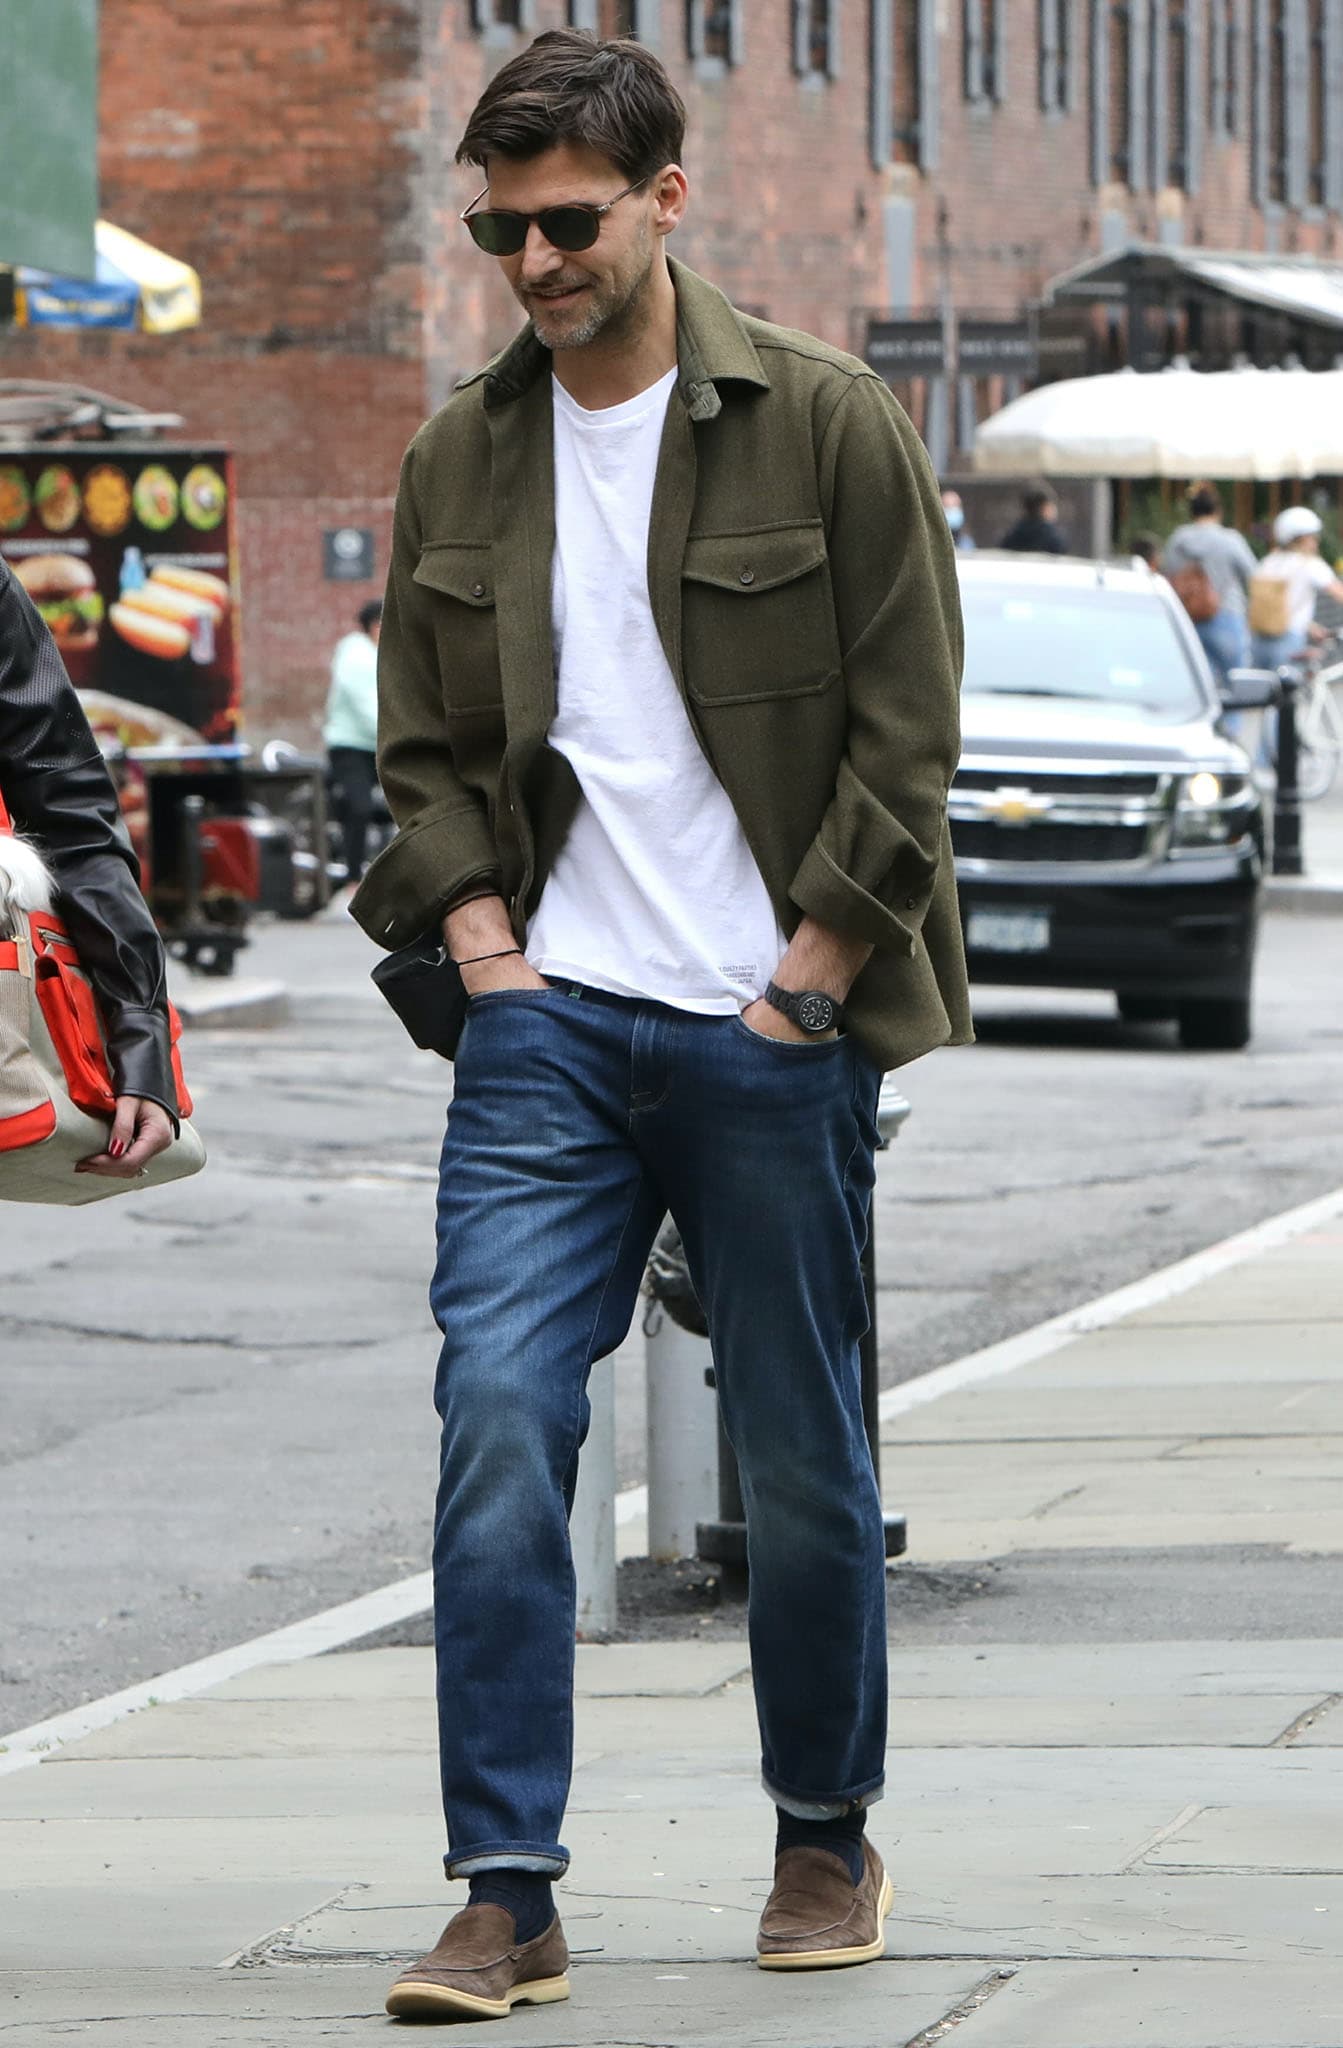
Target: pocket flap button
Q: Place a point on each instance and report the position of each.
(748, 576)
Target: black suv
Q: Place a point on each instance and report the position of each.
(1107, 828)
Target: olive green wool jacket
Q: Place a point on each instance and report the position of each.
(803, 585)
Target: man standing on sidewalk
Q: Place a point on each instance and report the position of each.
(668, 711)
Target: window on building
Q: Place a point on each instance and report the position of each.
(1121, 91)
(906, 108)
(816, 36)
(1176, 151)
(1317, 118)
(508, 13)
(1276, 122)
(904, 82)
(486, 14)
(983, 36)
(713, 29)
(1055, 37)
(1224, 69)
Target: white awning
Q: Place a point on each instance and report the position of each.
(1171, 423)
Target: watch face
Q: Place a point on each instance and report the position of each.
(815, 1013)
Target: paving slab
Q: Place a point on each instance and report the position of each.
(1148, 1526)
(1191, 1354)
(1124, 1721)
(148, 1926)
(1244, 1917)
(1086, 1670)
(731, 2005)
(350, 1848)
(270, 1728)
(1252, 1838)
(1162, 2005)
(1091, 1414)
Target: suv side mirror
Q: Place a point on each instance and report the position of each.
(1249, 689)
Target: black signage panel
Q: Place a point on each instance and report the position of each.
(996, 348)
(899, 349)
(347, 554)
(1065, 344)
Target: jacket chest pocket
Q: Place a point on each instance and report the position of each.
(458, 580)
(758, 615)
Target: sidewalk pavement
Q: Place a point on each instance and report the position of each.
(1095, 1844)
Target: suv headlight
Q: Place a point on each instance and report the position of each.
(1212, 810)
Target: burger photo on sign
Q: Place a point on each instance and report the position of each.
(62, 587)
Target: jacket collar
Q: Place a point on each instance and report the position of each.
(712, 347)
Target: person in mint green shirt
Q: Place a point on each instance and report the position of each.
(350, 734)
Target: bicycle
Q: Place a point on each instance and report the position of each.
(1319, 730)
(1319, 723)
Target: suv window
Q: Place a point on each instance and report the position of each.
(1102, 646)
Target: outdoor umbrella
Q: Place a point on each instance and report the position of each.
(135, 285)
(1168, 423)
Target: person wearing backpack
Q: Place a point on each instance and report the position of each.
(1209, 566)
(1285, 586)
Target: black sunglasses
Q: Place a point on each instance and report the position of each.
(565, 227)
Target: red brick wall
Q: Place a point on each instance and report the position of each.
(276, 148)
(299, 154)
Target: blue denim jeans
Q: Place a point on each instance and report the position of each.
(1226, 641)
(578, 1119)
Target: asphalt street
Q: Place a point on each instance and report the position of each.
(216, 1412)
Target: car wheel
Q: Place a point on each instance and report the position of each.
(1207, 1026)
(1143, 1009)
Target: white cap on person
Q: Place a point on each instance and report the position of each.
(1294, 524)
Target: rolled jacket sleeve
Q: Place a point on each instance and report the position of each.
(871, 870)
(444, 847)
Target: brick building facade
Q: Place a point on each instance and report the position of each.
(845, 156)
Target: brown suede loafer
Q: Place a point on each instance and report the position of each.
(479, 1972)
(815, 1919)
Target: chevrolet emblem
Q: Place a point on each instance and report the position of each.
(1016, 806)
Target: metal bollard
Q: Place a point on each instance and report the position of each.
(724, 1542)
(682, 1435)
(1287, 798)
(592, 1522)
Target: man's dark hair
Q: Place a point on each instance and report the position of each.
(1035, 500)
(614, 97)
(370, 613)
(1147, 547)
(1203, 499)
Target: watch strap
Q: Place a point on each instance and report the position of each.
(791, 1003)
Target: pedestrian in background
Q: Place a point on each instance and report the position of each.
(1284, 588)
(961, 535)
(57, 790)
(1037, 530)
(668, 717)
(1210, 566)
(1145, 549)
(350, 734)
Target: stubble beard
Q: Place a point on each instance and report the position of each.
(615, 313)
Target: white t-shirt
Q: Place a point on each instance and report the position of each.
(1305, 576)
(655, 892)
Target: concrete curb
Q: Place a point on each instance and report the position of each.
(226, 1004)
(1305, 895)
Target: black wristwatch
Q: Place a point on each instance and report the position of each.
(810, 1008)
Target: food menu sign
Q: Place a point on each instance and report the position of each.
(128, 554)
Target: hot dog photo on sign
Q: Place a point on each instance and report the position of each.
(128, 554)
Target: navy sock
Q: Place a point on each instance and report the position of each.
(843, 1836)
(526, 1894)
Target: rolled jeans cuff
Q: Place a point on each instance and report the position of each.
(825, 1809)
(552, 1862)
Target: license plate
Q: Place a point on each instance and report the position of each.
(1007, 931)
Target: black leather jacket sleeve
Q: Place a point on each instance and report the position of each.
(57, 790)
